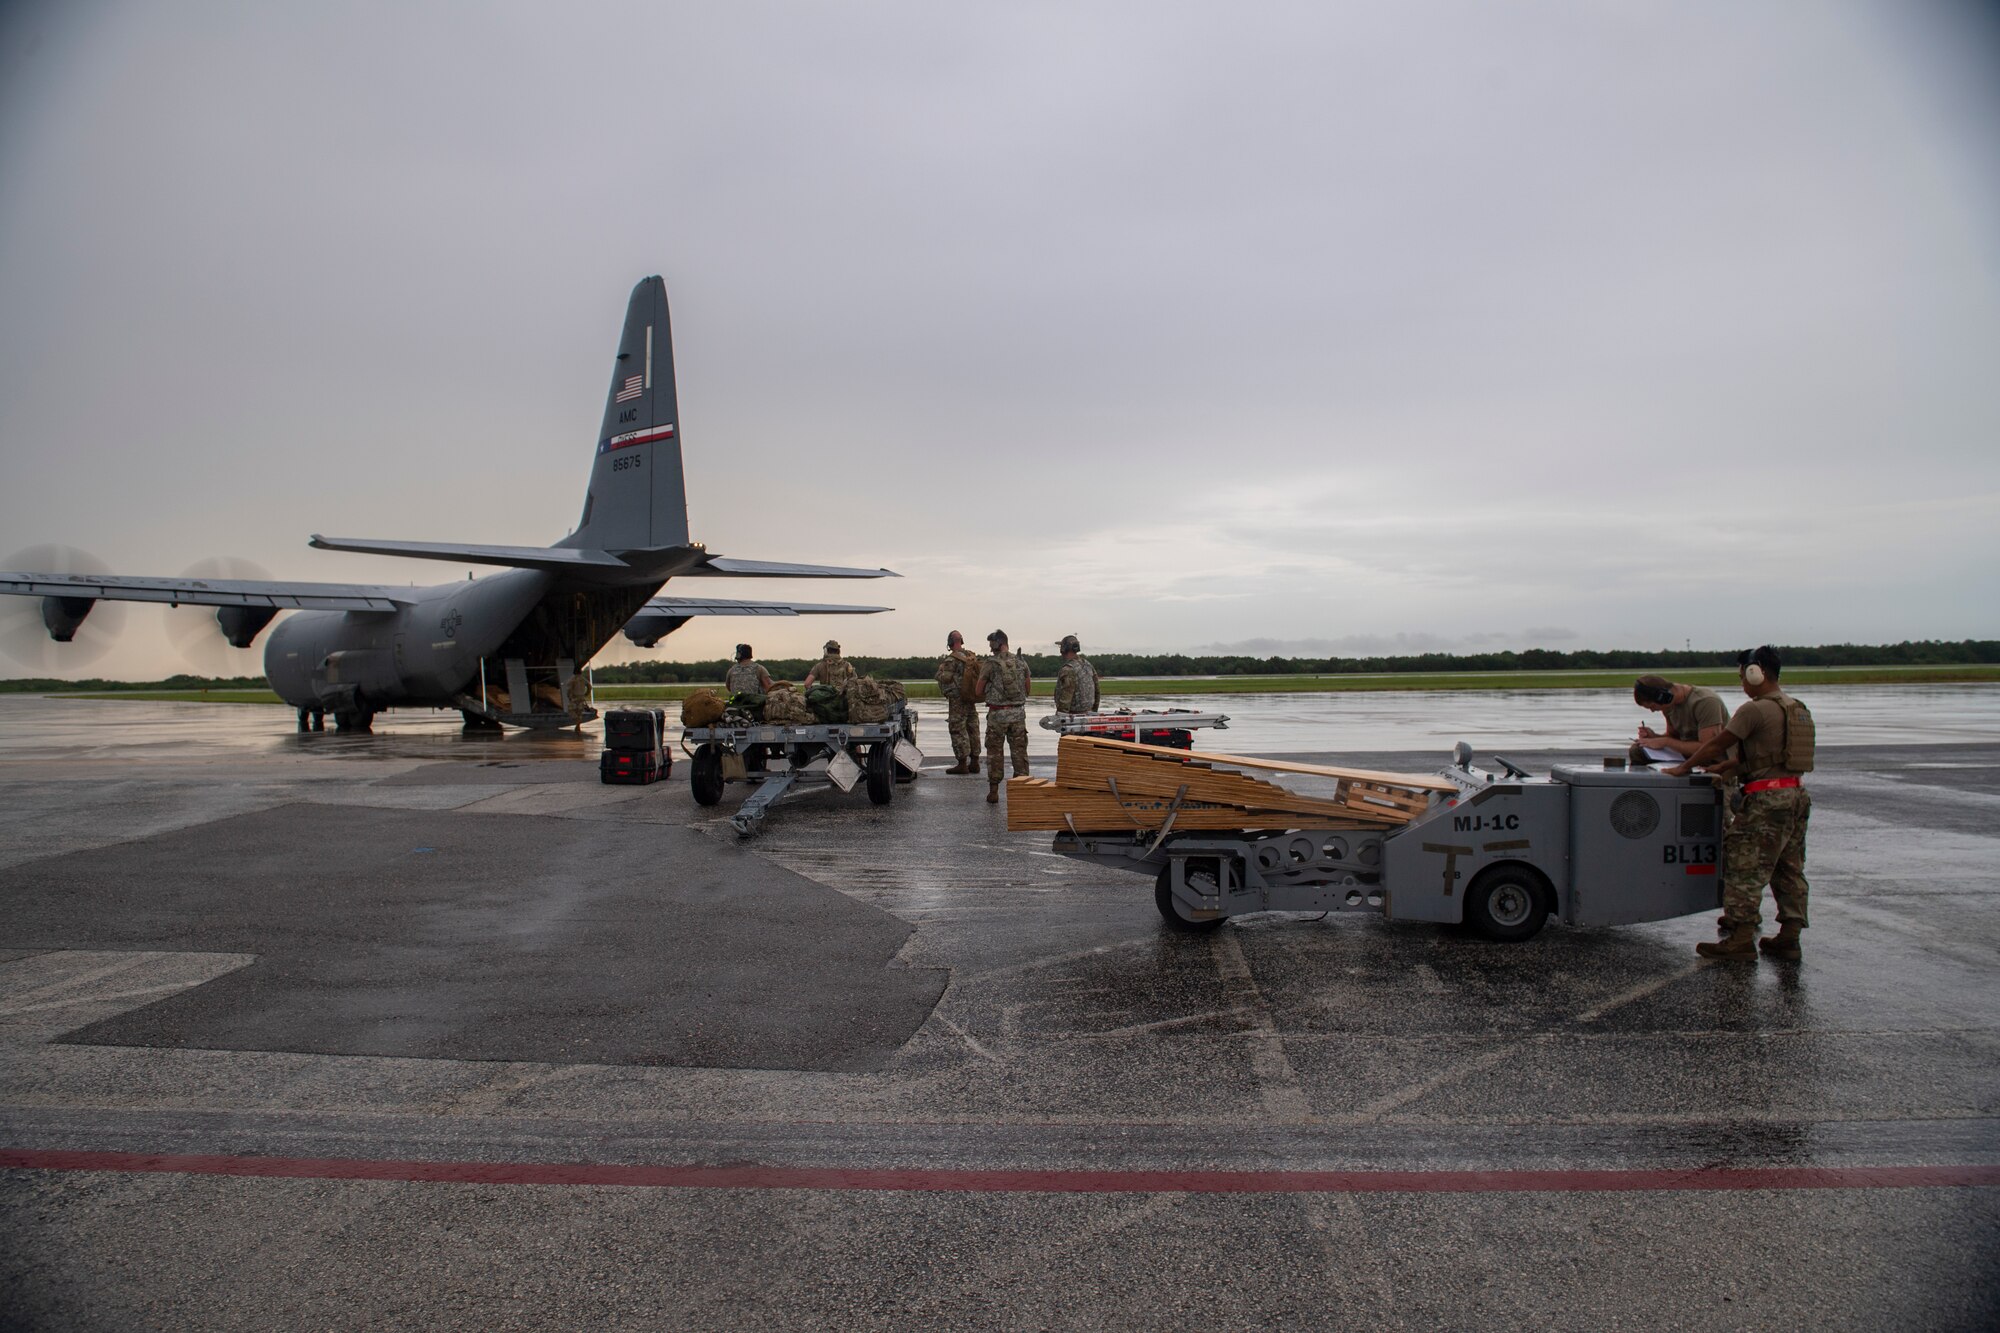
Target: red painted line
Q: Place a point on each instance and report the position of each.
(1701, 870)
(1032, 1182)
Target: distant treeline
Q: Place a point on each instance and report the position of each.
(1926, 652)
(97, 685)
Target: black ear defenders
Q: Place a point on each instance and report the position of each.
(1656, 694)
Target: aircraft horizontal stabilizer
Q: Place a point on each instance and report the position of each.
(722, 606)
(208, 592)
(556, 558)
(726, 566)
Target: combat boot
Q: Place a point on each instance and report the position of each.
(1784, 944)
(1741, 942)
(993, 795)
(958, 767)
(972, 764)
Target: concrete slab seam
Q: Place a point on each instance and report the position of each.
(1643, 1180)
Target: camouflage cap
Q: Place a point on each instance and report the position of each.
(997, 636)
(1069, 644)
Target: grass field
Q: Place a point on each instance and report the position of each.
(1198, 685)
(1454, 680)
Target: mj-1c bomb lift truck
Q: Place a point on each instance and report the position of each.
(1590, 846)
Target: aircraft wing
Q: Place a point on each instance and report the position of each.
(728, 567)
(554, 558)
(723, 606)
(208, 592)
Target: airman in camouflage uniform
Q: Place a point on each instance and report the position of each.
(1003, 684)
(746, 675)
(1693, 714)
(963, 715)
(833, 669)
(1767, 842)
(1076, 682)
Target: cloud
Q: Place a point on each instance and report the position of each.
(1308, 324)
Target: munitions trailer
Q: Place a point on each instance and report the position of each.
(1589, 846)
(883, 753)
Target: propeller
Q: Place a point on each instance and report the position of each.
(196, 633)
(24, 632)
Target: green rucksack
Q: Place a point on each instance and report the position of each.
(750, 701)
(827, 703)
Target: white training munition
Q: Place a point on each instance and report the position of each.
(1498, 852)
(1146, 726)
(882, 753)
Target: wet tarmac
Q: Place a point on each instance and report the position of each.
(414, 1029)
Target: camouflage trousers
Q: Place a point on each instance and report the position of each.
(964, 724)
(1006, 729)
(1767, 845)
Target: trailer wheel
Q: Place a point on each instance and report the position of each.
(705, 778)
(1171, 908)
(1508, 904)
(881, 773)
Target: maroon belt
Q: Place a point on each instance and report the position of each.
(1770, 784)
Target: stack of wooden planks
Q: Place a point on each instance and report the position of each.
(1105, 786)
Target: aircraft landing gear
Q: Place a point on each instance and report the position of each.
(361, 721)
(305, 719)
(319, 719)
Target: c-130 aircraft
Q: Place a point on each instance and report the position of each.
(503, 650)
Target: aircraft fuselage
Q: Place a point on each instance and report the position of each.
(455, 642)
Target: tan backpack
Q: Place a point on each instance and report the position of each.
(968, 682)
(1800, 734)
(703, 708)
(786, 707)
(867, 701)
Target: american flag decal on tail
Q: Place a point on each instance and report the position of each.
(634, 386)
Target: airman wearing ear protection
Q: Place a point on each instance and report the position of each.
(1693, 712)
(1767, 842)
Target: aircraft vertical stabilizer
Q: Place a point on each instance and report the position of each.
(638, 494)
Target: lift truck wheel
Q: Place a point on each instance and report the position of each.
(705, 778)
(1171, 908)
(1508, 903)
(882, 772)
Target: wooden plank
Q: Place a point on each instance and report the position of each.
(1414, 781)
(1038, 804)
(1095, 765)
(1080, 768)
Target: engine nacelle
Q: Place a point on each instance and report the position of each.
(648, 627)
(241, 624)
(63, 615)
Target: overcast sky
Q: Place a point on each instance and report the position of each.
(1315, 327)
